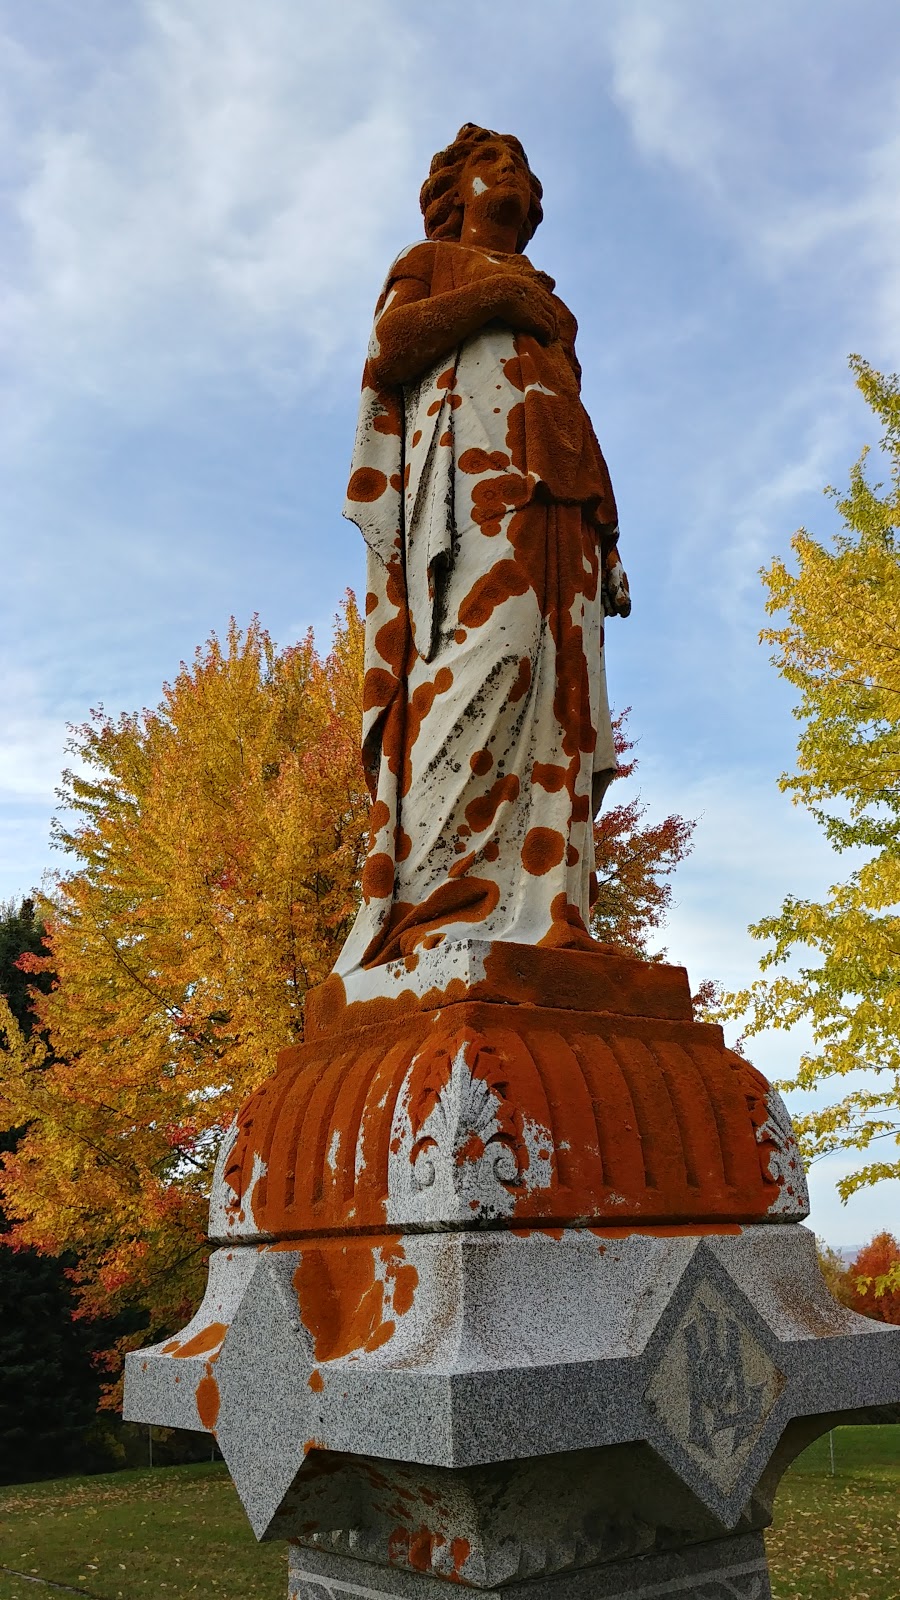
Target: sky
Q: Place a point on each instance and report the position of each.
(199, 200)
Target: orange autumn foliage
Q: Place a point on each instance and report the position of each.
(635, 861)
(217, 844)
(874, 1276)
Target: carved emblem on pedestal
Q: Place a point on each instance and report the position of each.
(714, 1386)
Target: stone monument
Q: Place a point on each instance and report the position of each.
(510, 1288)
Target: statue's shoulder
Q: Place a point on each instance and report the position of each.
(415, 261)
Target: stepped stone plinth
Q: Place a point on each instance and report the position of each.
(511, 1289)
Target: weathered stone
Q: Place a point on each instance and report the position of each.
(702, 1347)
(429, 1109)
(512, 1289)
(722, 1569)
(470, 1390)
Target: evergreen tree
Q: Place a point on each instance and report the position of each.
(48, 1387)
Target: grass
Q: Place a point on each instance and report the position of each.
(178, 1532)
(838, 1538)
(157, 1534)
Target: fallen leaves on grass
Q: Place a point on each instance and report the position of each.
(835, 1537)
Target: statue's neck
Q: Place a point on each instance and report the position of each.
(485, 233)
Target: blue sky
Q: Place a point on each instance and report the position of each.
(198, 201)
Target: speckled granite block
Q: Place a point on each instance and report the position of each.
(515, 1297)
(723, 1569)
(700, 1360)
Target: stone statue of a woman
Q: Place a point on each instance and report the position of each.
(490, 521)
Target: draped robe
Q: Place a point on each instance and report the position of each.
(490, 522)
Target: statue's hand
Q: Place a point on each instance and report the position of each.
(529, 308)
(615, 592)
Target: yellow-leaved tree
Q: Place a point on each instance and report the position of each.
(839, 645)
(217, 845)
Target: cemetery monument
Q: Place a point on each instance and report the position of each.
(510, 1287)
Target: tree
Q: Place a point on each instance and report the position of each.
(48, 1384)
(21, 933)
(871, 1274)
(635, 861)
(834, 1270)
(217, 845)
(217, 842)
(863, 1283)
(839, 646)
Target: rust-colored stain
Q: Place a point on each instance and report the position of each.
(459, 1549)
(598, 979)
(208, 1399)
(542, 849)
(422, 1544)
(649, 1120)
(350, 1294)
(207, 1339)
(317, 1382)
(416, 1547)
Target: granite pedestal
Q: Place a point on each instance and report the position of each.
(512, 1290)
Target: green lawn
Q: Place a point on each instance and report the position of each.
(838, 1538)
(160, 1534)
(179, 1531)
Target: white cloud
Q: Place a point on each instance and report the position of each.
(32, 756)
(750, 494)
(24, 848)
(207, 195)
(32, 742)
(752, 107)
(750, 846)
(656, 88)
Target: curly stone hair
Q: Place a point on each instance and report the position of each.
(439, 199)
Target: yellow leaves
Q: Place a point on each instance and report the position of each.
(839, 645)
(215, 844)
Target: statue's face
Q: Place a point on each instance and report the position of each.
(495, 184)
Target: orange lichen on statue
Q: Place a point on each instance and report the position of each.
(208, 1339)
(417, 1548)
(208, 1399)
(459, 1550)
(597, 1117)
(595, 979)
(482, 493)
(350, 1295)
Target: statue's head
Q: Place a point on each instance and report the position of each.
(442, 198)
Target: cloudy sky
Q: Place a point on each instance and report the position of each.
(198, 201)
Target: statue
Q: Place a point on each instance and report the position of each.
(486, 505)
(510, 1288)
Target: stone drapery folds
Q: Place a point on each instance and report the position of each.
(490, 521)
